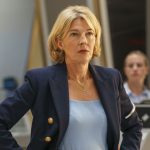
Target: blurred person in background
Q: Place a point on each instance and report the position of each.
(75, 105)
(136, 69)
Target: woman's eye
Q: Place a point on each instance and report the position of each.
(130, 65)
(91, 34)
(139, 65)
(74, 34)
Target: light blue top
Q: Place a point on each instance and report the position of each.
(87, 128)
(145, 95)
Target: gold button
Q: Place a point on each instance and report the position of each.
(47, 139)
(50, 120)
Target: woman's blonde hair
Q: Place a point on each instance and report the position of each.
(140, 53)
(62, 25)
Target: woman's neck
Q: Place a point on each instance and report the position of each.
(136, 87)
(78, 72)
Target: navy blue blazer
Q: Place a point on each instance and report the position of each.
(45, 92)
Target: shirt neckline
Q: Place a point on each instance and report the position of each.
(84, 101)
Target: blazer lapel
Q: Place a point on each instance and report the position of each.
(105, 88)
(59, 89)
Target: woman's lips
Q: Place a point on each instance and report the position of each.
(83, 51)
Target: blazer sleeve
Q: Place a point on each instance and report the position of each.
(131, 125)
(11, 110)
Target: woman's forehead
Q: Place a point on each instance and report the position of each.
(135, 58)
(79, 21)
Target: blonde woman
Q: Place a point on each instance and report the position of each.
(136, 69)
(75, 105)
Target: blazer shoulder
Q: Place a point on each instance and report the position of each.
(110, 74)
(43, 71)
(107, 70)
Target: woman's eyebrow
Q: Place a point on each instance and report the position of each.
(79, 30)
(73, 30)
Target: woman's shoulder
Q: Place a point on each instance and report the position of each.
(38, 71)
(106, 70)
(44, 72)
(107, 73)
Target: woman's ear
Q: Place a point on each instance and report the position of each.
(59, 43)
(148, 70)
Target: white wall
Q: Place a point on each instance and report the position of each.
(16, 18)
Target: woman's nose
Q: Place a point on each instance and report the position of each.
(83, 39)
(135, 67)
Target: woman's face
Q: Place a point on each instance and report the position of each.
(79, 42)
(135, 68)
